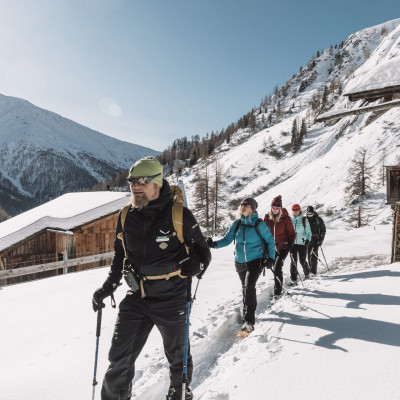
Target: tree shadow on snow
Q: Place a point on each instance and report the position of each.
(364, 275)
(358, 328)
(355, 300)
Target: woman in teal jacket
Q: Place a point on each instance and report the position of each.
(303, 237)
(249, 254)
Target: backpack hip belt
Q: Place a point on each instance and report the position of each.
(155, 278)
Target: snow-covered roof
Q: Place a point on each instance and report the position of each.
(382, 68)
(64, 213)
(385, 75)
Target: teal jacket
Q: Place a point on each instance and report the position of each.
(248, 245)
(302, 233)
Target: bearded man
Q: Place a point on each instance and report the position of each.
(160, 262)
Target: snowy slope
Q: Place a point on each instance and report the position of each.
(316, 175)
(334, 339)
(43, 155)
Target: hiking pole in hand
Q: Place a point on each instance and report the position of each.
(313, 253)
(185, 353)
(295, 264)
(98, 328)
(325, 259)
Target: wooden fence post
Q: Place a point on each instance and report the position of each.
(396, 234)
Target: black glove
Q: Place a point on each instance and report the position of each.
(289, 245)
(269, 263)
(307, 242)
(100, 294)
(203, 268)
(319, 243)
(211, 242)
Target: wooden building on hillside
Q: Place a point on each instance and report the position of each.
(380, 84)
(72, 226)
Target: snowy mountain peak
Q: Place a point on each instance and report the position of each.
(43, 155)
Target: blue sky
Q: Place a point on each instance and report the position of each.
(151, 71)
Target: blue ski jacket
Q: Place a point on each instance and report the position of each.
(302, 233)
(249, 245)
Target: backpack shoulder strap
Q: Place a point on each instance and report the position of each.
(124, 213)
(236, 229)
(257, 227)
(121, 235)
(303, 220)
(177, 220)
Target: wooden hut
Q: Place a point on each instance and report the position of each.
(71, 226)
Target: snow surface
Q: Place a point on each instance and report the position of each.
(336, 338)
(65, 212)
(382, 69)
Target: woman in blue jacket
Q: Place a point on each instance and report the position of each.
(249, 254)
(303, 237)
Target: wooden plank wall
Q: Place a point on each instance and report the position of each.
(396, 234)
(93, 238)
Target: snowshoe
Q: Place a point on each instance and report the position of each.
(247, 327)
(293, 282)
(173, 395)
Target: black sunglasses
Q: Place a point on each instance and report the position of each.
(244, 205)
(143, 180)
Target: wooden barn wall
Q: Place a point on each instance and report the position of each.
(96, 238)
(43, 247)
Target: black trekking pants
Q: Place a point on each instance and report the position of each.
(249, 273)
(136, 319)
(278, 276)
(301, 251)
(313, 257)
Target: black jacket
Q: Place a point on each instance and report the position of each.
(154, 249)
(318, 229)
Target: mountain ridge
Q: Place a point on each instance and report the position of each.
(44, 155)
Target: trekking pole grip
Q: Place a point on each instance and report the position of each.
(98, 327)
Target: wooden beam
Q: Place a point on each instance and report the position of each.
(357, 111)
(373, 93)
(34, 269)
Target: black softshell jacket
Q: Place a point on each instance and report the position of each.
(154, 249)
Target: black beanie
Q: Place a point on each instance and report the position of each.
(310, 209)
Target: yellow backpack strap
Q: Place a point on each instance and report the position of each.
(177, 220)
(124, 213)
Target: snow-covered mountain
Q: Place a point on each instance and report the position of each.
(43, 155)
(260, 162)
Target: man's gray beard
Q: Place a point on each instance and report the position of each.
(139, 200)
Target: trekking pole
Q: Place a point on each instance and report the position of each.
(195, 291)
(98, 328)
(280, 282)
(325, 259)
(185, 353)
(313, 252)
(295, 264)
